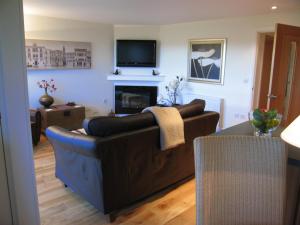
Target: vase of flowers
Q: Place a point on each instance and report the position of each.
(264, 121)
(173, 90)
(46, 100)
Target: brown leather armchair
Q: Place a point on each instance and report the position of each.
(36, 122)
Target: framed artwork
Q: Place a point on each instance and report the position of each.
(44, 54)
(207, 60)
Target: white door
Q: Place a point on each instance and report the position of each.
(5, 209)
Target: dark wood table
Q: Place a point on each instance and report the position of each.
(292, 216)
(68, 117)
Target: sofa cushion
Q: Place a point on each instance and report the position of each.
(104, 126)
(194, 108)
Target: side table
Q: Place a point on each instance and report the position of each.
(68, 117)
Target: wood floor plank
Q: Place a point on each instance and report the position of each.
(60, 206)
(185, 218)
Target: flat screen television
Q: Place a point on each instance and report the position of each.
(136, 53)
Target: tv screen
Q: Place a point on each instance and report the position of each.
(136, 53)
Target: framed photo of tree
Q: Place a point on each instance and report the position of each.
(207, 60)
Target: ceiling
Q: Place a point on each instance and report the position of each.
(153, 12)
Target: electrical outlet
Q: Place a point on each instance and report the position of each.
(94, 113)
(242, 117)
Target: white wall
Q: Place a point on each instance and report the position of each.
(90, 87)
(241, 34)
(83, 86)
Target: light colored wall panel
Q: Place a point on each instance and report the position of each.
(15, 116)
(5, 209)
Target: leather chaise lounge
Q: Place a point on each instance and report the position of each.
(119, 161)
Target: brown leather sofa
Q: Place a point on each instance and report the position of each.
(120, 162)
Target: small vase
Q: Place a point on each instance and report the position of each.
(264, 128)
(46, 100)
(260, 133)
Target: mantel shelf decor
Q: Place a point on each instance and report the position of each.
(44, 54)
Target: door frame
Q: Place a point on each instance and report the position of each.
(14, 107)
(260, 41)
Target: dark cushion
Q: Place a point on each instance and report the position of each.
(194, 108)
(104, 126)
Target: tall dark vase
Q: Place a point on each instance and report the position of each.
(46, 100)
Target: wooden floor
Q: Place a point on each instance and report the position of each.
(58, 205)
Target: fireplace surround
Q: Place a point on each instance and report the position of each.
(133, 99)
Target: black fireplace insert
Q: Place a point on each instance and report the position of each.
(133, 99)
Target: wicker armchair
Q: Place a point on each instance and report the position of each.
(240, 180)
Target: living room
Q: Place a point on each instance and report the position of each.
(172, 46)
(234, 28)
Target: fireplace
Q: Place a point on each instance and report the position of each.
(133, 99)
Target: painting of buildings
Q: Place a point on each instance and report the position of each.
(43, 54)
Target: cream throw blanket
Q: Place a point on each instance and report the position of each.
(170, 124)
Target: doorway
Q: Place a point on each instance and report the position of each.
(277, 80)
(263, 69)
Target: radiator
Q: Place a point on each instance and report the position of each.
(212, 104)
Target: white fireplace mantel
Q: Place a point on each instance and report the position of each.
(143, 78)
(136, 80)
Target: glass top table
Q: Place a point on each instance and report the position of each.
(292, 210)
(247, 130)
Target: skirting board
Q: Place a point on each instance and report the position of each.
(212, 104)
